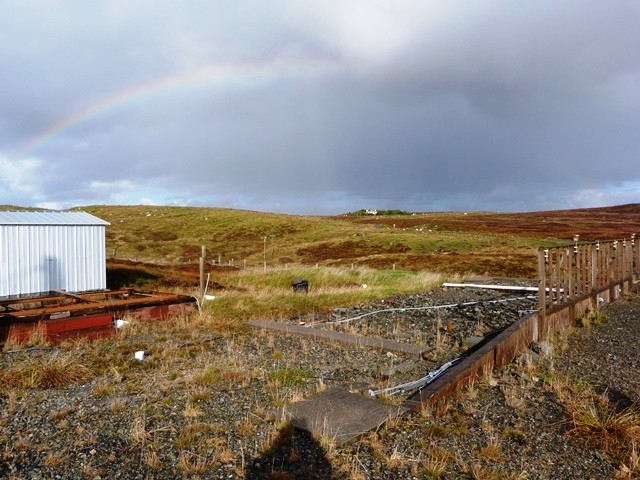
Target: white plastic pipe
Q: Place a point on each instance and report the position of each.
(513, 288)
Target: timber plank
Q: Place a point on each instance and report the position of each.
(384, 344)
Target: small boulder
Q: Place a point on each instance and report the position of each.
(543, 348)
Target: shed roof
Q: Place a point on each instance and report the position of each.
(48, 217)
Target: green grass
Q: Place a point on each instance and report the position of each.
(331, 278)
(289, 377)
(258, 294)
(174, 235)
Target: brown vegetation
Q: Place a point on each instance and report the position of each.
(495, 244)
(606, 223)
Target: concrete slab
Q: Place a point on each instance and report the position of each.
(339, 414)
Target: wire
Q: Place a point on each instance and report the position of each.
(432, 307)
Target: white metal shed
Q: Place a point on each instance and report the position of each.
(47, 250)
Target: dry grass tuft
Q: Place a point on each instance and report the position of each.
(53, 460)
(441, 408)
(45, 371)
(515, 435)
(197, 433)
(599, 422)
(61, 414)
(397, 459)
(478, 472)
(92, 471)
(139, 433)
(435, 466)
(103, 389)
(152, 460)
(513, 397)
(190, 462)
(471, 391)
(37, 337)
(492, 450)
(225, 374)
(117, 405)
(22, 443)
(596, 420)
(245, 428)
(191, 411)
(200, 395)
(630, 468)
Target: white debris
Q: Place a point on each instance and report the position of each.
(515, 288)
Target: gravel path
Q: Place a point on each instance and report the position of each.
(606, 356)
(205, 409)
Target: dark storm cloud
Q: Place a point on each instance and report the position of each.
(323, 107)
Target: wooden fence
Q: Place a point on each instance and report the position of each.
(594, 270)
(574, 280)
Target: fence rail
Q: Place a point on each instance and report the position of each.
(573, 272)
(574, 280)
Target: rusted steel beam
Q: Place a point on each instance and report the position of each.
(515, 339)
(93, 304)
(463, 373)
(62, 293)
(52, 328)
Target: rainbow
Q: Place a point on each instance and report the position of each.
(228, 74)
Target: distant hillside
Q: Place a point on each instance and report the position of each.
(15, 208)
(590, 223)
(498, 244)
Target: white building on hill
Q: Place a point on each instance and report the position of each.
(45, 251)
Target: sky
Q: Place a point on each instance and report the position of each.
(320, 107)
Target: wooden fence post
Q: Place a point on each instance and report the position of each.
(635, 256)
(202, 262)
(594, 269)
(542, 283)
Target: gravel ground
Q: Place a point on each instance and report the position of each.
(201, 407)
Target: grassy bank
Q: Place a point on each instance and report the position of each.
(243, 239)
(269, 295)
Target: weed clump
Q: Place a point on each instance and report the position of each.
(601, 423)
(289, 377)
(45, 371)
(591, 319)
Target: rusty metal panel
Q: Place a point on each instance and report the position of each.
(516, 339)
(42, 256)
(555, 321)
(462, 374)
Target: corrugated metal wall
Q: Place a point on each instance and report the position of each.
(40, 258)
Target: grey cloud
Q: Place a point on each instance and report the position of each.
(466, 105)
